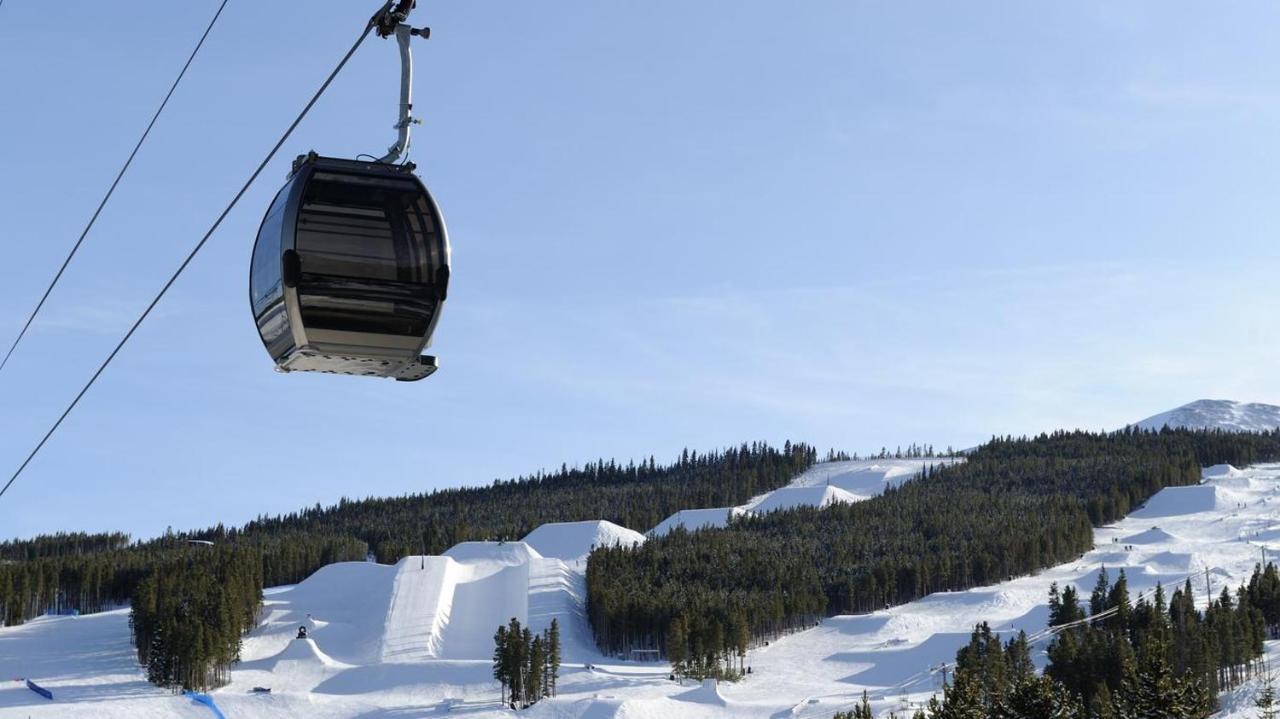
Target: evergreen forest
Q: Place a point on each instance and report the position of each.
(1115, 658)
(1013, 507)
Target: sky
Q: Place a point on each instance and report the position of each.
(674, 224)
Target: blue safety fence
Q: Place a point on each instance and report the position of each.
(39, 689)
(206, 700)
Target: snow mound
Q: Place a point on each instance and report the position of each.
(708, 693)
(792, 497)
(343, 606)
(1217, 414)
(1176, 501)
(575, 540)
(1155, 535)
(695, 519)
(305, 651)
(499, 552)
(1169, 562)
(1221, 470)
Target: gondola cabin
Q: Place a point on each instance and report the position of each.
(350, 270)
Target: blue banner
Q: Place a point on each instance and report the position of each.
(206, 700)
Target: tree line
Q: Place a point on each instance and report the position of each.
(61, 544)
(1013, 507)
(638, 495)
(61, 579)
(527, 666)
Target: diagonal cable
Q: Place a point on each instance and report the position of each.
(112, 189)
(190, 256)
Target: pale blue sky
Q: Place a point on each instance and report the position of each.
(674, 224)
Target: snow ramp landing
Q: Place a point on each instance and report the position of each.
(1155, 535)
(695, 519)
(302, 666)
(792, 497)
(421, 603)
(305, 651)
(867, 478)
(448, 607)
(342, 605)
(572, 541)
(558, 592)
(1178, 501)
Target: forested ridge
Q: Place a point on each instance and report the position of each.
(1014, 507)
(93, 572)
(632, 495)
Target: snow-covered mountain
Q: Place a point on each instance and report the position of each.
(1218, 414)
(414, 639)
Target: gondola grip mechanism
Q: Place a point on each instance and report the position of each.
(403, 33)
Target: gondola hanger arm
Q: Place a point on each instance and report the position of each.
(388, 21)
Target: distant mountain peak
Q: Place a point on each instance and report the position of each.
(1218, 414)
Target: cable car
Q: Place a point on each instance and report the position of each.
(351, 265)
(350, 270)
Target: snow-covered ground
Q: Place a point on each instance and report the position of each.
(820, 485)
(414, 639)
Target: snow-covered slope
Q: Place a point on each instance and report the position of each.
(792, 497)
(819, 486)
(1218, 414)
(572, 541)
(414, 639)
(867, 477)
(694, 519)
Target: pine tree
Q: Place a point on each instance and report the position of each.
(1101, 705)
(1018, 656)
(1118, 599)
(537, 664)
(1098, 599)
(553, 654)
(514, 660)
(677, 641)
(1153, 692)
(1040, 697)
(963, 699)
(861, 711)
(1266, 699)
(501, 664)
(528, 688)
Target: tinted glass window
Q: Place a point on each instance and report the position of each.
(369, 248)
(367, 227)
(264, 273)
